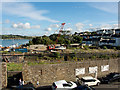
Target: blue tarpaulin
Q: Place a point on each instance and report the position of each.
(21, 50)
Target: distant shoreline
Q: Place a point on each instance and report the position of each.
(15, 38)
(9, 42)
(8, 37)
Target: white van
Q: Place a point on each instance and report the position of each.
(90, 81)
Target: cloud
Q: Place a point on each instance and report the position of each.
(46, 33)
(106, 6)
(14, 25)
(35, 26)
(90, 25)
(26, 10)
(79, 26)
(25, 26)
(115, 26)
(69, 29)
(106, 26)
(54, 26)
(48, 29)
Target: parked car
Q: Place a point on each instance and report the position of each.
(110, 78)
(84, 87)
(90, 81)
(62, 84)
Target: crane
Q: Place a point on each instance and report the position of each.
(52, 47)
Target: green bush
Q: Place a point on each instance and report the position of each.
(114, 48)
(86, 47)
(5, 52)
(104, 47)
(93, 57)
(57, 55)
(118, 47)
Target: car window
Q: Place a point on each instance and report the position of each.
(70, 83)
(54, 85)
(67, 85)
(116, 75)
(90, 80)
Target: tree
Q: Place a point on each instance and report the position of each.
(42, 40)
(67, 42)
(77, 39)
(75, 33)
(53, 37)
(30, 42)
(93, 33)
(37, 40)
(47, 41)
(60, 40)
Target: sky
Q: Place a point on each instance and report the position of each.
(45, 18)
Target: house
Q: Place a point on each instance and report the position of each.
(102, 37)
(117, 31)
(117, 39)
(88, 42)
(101, 31)
(110, 31)
(107, 42)
(113, 40)
(95, 41)
(106, 31)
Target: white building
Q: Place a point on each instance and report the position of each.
(113, 41)
(117, 31)
(117, 41)
(106, 31)
(101, 31)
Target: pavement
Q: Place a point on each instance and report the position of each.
(111, 86)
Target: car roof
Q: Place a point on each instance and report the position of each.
(87, 77)
(60, 82)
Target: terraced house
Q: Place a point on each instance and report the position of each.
(110, 37)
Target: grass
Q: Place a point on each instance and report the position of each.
(102, 54)
(43, 62)
(18, 66)
(14, 66)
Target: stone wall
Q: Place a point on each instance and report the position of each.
(3, 75)
(0, 75)
(14, 58)
(46, 74)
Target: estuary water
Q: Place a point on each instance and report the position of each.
(8, 42)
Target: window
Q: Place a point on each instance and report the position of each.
(70, 83)
(54, 85)
(89, 80)
(67, 85)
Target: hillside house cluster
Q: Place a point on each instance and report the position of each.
(104, 37)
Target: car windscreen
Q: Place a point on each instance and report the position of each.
(88, 80)
(68, 84)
